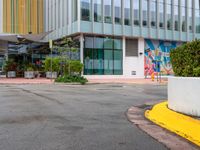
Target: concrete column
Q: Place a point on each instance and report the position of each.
(81, 47)
(141, 45)
(124, 52)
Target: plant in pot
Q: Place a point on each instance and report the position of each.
(29, 73)
(10, 68)
(183, 89)
(52, 71)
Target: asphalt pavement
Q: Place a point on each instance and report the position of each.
(74, 117)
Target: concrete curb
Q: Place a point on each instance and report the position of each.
(182, 125)
(135, 115)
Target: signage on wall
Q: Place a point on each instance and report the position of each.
(133, 73)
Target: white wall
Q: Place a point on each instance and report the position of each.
(135, 63)
(184, 95)
(1, 16)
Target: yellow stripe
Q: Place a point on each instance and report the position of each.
(185, 126)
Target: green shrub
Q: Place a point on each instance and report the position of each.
(185, 59)
(71, 79)
(55, 64)
(10, 65)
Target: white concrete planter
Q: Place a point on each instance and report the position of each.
(184, 95)
(52, 75)
(29, 74)
(11, 74)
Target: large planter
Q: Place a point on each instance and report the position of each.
(51, 75)
(184, 95)
(11, 74)
(29, 74)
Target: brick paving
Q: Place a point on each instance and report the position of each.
(128, 81)
(25, 81)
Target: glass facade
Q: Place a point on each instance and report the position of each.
(197, 16)
(161, 14)
(118, 11)
(108, 11)
(145, 13)
(183, 15)
(176, 15)
(169, 14)
(85, 10)
(97, 11)
(190, 20)
(127, 12)
(103, 56)
(136, 12)
(155, 13)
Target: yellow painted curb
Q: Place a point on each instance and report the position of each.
(185, 126)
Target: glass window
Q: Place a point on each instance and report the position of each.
(183, 15)
(99, 60)
(153, 11)
(108, 62)
(117, 44)
(197, 15)
(108, 43)
(145, 13)
(127, 12)
(169, 14)
(98, 42)
(118, 62)
(136, 12)
(89, 42)
(108, 11)
(74, 10)
(190, 17)
(176, 15)
(161, 14)
(85, 10)
(118, 12)
(97, 11)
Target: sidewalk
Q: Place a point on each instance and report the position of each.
(25, 81)
(128, 81)
(183, 125)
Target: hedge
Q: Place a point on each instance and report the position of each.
(185, 59)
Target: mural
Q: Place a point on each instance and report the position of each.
(157, 57)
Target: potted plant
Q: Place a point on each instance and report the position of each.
(183, 89)
(52, 71)
(29, 73)
(10, 68)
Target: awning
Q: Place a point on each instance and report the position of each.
(36, 37)
(9, 38)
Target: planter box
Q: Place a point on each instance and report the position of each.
(184, 95)
(51, 75)
(29, 74)
(11, 74)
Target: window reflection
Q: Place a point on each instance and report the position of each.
(118, 13)
(97, 11)
(176, 15)
(169, 14)
(108, 11)
(197, 15)
(127, 12)
(85, 9)
(145, 12)
(153, 11)
(136, 12)
(183, 14)
(161, 14)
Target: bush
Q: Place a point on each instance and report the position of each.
(185, 59)
(55, 64)
(71, 79)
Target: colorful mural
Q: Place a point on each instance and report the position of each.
(157, 57)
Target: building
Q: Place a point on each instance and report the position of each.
(127, 37)
(123, 38)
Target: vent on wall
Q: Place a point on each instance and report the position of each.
(131, 47)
